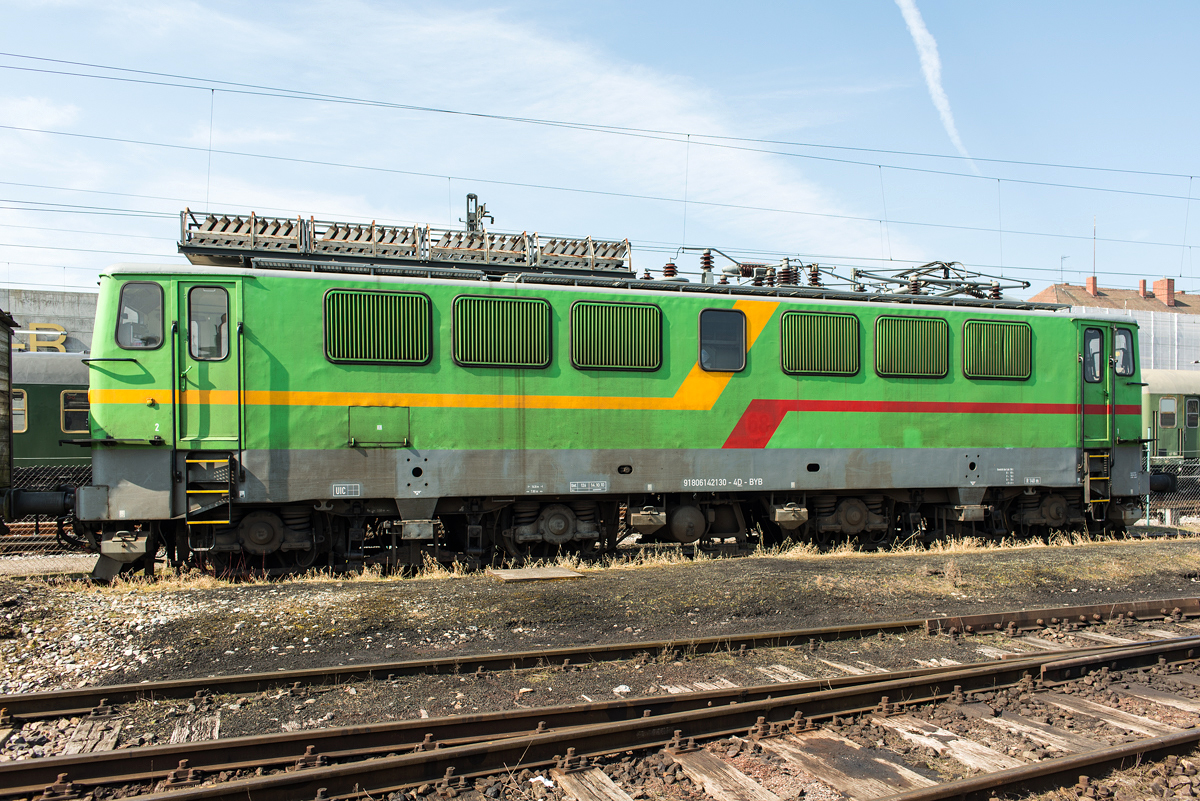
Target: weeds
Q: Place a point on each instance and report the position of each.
(952, 573)
(628, 558)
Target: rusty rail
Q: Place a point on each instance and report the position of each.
(64, 703)
(766, 717)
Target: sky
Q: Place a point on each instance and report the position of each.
(1034, 141)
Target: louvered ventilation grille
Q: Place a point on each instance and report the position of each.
(819, 344)
(501, 332)
(997, 350)
(620, 336)
(911, 347)
(386, 327)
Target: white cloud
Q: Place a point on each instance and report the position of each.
(36, 112)
(415, 55)
(931, 66)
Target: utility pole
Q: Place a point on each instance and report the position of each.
(1061, 259)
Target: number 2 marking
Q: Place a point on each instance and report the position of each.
(156, 426)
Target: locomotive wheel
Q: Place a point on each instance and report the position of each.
(876, 540)
(523, 551)
(303, 560)
(822, 539)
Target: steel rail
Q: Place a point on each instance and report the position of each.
(81, 701)
(766, 717)
(20, 778)
(1052, 772)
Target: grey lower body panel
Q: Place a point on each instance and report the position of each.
(139, 483)
(1129, 474)
(281, 476)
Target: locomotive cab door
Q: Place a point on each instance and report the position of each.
(208, 388)
(1097, 387)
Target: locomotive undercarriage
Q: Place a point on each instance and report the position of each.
(476, 532)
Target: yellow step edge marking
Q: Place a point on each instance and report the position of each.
(699, 391)
(206, 522)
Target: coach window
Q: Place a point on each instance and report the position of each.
(722, 341)
(140, 317)
(1123, 351)
(1166, 412)
(208, 323)
(73, 411)
(20, 401)
(1093, 356)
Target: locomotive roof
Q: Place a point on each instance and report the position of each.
(433, 275)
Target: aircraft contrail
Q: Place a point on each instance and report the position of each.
(931, 65)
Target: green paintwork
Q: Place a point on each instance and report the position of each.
(39, 443)
(282, 350)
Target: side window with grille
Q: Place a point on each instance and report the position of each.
(1001, 350)
(912, 347)
(616, 336)
(819, 344)
(378, 327)
(501, 332)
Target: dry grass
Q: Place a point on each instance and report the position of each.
(627, 559)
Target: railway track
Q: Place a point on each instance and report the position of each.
(82, 701)
(474, 746)
(799, 728)
(406, 754)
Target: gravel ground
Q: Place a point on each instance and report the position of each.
(73, 634)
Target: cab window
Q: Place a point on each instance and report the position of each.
(73, 411)
(208, 323)
(1093, 355)
(1167, 408)
(722, 340)
(1123, 352)
(140, 316)
(1191, 413)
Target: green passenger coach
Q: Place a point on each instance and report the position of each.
(323, 394)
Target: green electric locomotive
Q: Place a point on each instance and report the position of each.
(311, 393)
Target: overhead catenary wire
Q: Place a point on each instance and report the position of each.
(551, 187)
(680, 137)
(301, 94)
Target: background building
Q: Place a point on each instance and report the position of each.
(1168, 320)
(51, 321)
